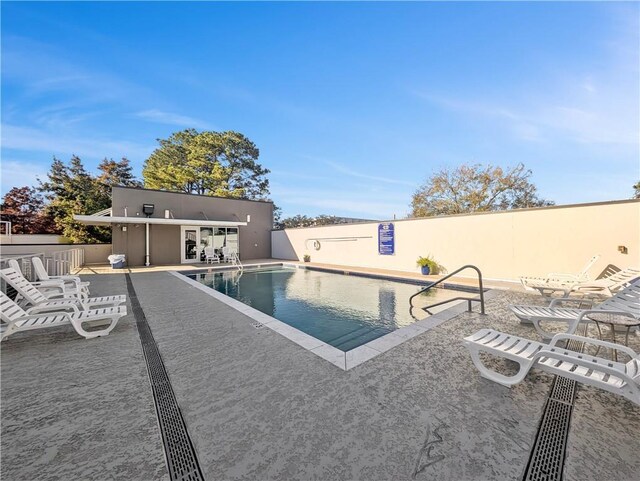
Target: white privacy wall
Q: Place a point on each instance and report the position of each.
(504, 245)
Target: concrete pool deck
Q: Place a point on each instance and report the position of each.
(259, 407)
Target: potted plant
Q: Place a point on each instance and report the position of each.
(428, 265)
(307, 258)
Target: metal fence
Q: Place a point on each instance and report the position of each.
(66, 262)
(24, 262)
(59, 263)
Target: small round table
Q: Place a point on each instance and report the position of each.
(614, 320)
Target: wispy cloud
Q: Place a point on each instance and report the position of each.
(601, 120)
(342, 169)
(37, 140)
(41, 70)
(339, 201)
(597, 104)
(17, 173)
(161, 117)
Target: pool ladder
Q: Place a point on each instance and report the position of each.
(459, 298)
(235, 260)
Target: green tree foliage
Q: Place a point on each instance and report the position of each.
(297, 221)
(71, 190)
(305, 221)
(476, 188)
(636, 188)
(24, 207)
(114, 173)
(207, 163)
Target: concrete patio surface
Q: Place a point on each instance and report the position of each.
(79, 409)
(259, 407)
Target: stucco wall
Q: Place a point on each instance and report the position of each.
(503, 245)
(165, 247)
(93, 253)
(31, 239)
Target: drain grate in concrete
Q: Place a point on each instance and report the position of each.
(180, 453)
(546, 461)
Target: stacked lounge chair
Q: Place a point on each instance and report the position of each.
(625, 302)
(15, 319)
(70, 282)
(30, 295)
(581, 276)
(607, 286)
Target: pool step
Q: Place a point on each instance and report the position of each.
(357, 337)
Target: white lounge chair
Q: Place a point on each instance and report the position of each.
(16, 319)
(625, 302)
(561, 277)
(210, 255)
(43, 286)
(48, 300)
(606, 286)
(615, 377)
(230, 254)
(71, 282)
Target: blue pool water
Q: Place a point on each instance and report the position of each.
(344, 311)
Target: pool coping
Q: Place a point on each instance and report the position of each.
(341, 359)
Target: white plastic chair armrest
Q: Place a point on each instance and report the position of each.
(559, 275)
(69, 294)
(590, 286)
(54, 309)
(66, 278)
(583, 314)
(585, 363)
(596, 342)
(48, 283)
(560, 300)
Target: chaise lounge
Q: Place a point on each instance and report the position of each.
(615, 377)
(71, 282)
(49, 300)
(561, 277)
(15, 319)
(624, 303)
(606, 286)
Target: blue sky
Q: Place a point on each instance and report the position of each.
(352, 105)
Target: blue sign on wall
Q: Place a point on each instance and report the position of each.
(386, 239)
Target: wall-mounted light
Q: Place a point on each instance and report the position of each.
(623, 249)
(124, 228)
(248, 218)
(147, 209)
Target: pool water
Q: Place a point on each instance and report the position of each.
(345, 311)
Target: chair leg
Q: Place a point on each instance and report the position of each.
(546, 336)
(494, 376)
(91, 334)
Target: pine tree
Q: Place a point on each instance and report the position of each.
(207, 163)
(71, 190)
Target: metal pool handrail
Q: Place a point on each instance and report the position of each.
(468, 299)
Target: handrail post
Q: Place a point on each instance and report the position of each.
(439, 281)
(481, 291)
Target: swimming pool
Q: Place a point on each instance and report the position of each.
(344, 311)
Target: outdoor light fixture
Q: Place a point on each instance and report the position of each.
(623, 249)
(124, 228)
(248, 218)
(147, 209)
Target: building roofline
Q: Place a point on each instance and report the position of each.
(187, 193)
(107, 220)
(506, 211)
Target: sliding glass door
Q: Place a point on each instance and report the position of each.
(194, 239)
